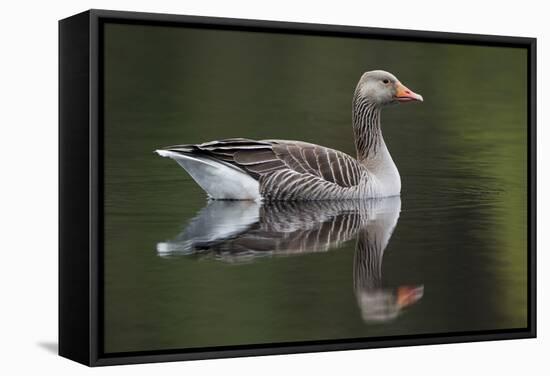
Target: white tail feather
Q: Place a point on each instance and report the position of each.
(219, 180)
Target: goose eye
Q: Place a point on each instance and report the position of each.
(386, 81)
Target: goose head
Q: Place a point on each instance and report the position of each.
(383, 88)
(385, 304)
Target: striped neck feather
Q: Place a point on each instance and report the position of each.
(366, 128)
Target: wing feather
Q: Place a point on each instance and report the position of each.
(259, 158)
(329, 164)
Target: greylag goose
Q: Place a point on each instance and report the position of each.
(243, 231)
(244, 169)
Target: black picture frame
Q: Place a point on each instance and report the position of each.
(81, 186)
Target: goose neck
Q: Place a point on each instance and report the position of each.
(366, 127)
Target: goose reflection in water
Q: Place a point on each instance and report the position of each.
(241, 231)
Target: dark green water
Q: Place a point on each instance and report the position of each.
(459, 242)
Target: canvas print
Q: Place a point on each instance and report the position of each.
(275, 188)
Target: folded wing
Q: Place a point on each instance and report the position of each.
(260, 158)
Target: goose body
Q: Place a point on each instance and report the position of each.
(245, 169)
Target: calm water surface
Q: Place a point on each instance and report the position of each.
(449, 255)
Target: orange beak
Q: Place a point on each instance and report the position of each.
(407, 295)
(404, 94)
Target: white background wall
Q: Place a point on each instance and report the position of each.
(28, 188)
